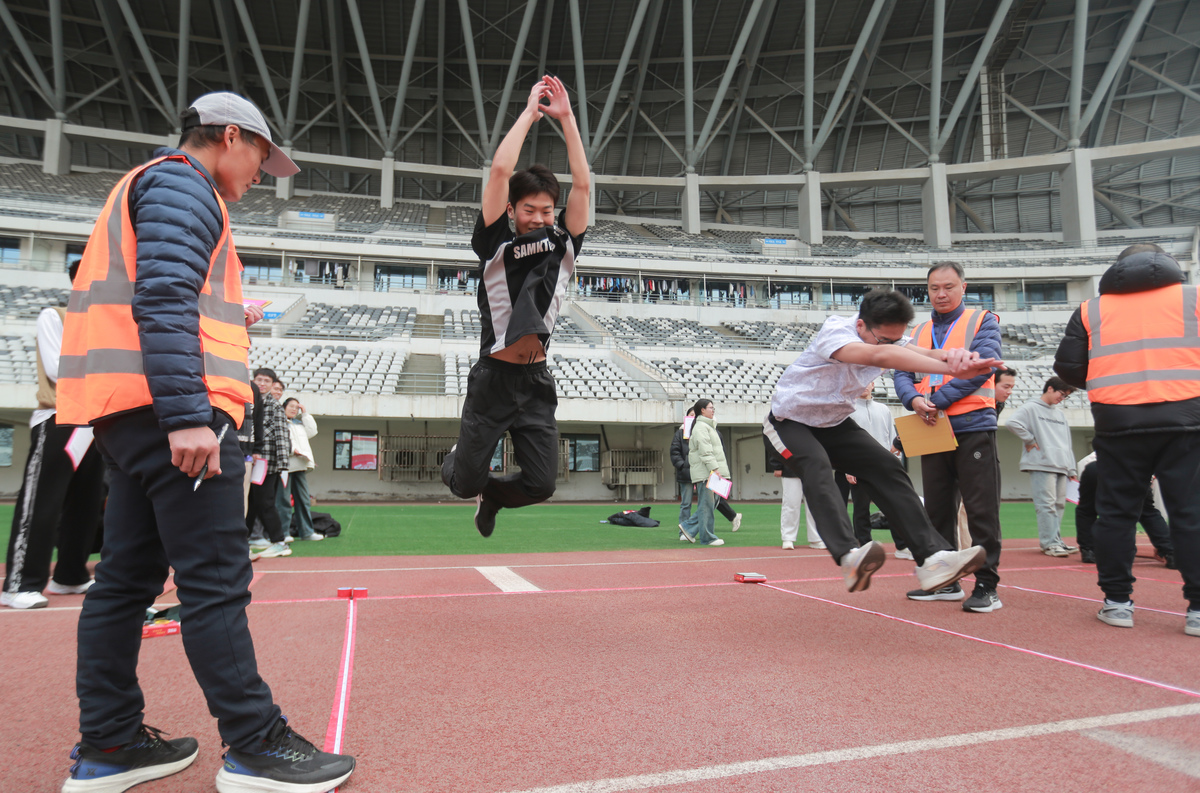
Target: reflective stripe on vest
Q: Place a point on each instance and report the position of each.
(1144, 347)
(101, 369)
(960, 336)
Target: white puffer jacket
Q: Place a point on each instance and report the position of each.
(302, 454)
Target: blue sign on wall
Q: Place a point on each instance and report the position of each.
(313, 215)
(272, 314)
(770, 241)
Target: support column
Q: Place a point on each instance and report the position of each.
(1078, 207)
(56, 151)
(592, 200)
(285, 188)
(691, 202)
(935, 207)
(810, 209)
(387, 182)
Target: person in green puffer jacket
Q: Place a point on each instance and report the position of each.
(705, 455)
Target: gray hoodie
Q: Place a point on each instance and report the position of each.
(1037, 422)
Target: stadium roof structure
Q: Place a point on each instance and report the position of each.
(714, 111)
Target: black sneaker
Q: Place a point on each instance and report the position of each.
(485, 515)
(144, 758)
(982, 600)
(284, 762)
(952, 592)
(1087, 556)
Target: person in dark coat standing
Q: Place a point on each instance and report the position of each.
(1136, 349)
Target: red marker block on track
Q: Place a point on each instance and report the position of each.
(749, 578)
(352, 592)
(160, 628)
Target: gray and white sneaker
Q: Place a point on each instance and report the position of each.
(276, 549)
(860, 563)
(952, 592)
(1192, 626)
(737, 522)
(983, 600)
(684, 535)
(1056, 550)
(904, 553)
(24, 600)
(1119, 615)
(946, 567)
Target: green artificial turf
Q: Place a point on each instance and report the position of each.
(374, 530)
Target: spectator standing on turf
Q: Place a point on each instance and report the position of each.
(792, 501)
(1085, 518)
(1135, 349)
(706, 455)
(810, 426)
(972, 468)
(1049, 459)
(154, 356)
(61, 492)
(292, 501)
(1006, 381)
(679, 459)
(521, 288)
(272, 458)
(877, 420)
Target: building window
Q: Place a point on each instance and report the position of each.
(388, 277)
(74, 254)
(259, 269)
(583, 452)
(355, 450)
(1045, 293)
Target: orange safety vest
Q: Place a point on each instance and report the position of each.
(961, 335)
(100, 370)
(1143, 347)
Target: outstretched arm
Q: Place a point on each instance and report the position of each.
(578, 203)
(504, 161)
(955, 362)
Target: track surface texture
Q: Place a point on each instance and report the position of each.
(653, 670)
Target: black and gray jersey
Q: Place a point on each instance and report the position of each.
(524, 280)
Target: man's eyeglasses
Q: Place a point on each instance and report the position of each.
(879, 340)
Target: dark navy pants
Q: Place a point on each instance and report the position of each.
(154, 521)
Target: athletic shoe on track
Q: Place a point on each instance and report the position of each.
(1119, 615)
(817, 546)
(277, 549)
(1087, 556)
(1192, 626)
(715, 543)
(259, 543)
(23, 600)
(146, 757)
(946, 567)
(789, 546)
(982, 600)
(55, 588)
(485, 515)
(952, 592)
(284, 762)
(859, 564)
(685, 536)
(737, 522)
(904, 553)
(1056, 550)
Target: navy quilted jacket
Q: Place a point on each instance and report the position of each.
(177, 220)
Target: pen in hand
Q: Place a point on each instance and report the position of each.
(204, 470)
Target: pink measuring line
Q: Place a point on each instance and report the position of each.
(1025, 650)
(337, 719)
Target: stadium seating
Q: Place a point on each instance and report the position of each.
(774, 335)
(665, 332)
(26, 302)
(727, 380)
(18, 359)
(323, 320)
(332, 368)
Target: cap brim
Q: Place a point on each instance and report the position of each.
(279, 164)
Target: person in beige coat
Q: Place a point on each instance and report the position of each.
(705, 455)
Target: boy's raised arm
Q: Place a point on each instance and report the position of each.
(579, 201)
(504, 161)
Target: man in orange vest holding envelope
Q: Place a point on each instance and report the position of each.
(973, 469)
(154, 357)
(1136, 348)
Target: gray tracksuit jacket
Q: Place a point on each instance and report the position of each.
(1045, 425)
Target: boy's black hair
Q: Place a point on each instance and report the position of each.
(281, 383)
(1059, 385)
(1139, 247)
(955, 266)
(1008, 370)
(202, 136)
(268, 372)
(885, 307)
(701, 404)
(531, 181)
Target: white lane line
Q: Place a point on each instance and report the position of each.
(689, 775)
(506, 580)
(1168, 754)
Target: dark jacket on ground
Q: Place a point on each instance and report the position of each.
(679, 458)
(1140, 272)
(175, 214)
(987, 344)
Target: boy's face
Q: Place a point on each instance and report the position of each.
(263, 382)
(277, 390)
(1005, 384)
(888, 333)
(1054, 397)
(532, 212)
(238, 164)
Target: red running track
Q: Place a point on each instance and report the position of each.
(653, 670)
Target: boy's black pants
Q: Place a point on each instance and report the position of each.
(154, 521)
(814, 452)
(262, 507)
(506, 397)
(1085, 515)
(58, 505)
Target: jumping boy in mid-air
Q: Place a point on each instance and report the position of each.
(525, 276)
(810, 426)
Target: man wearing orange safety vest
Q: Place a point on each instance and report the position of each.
(972, 469)
(154, 358)
(1136, 348)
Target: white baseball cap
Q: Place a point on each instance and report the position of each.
(223, 108)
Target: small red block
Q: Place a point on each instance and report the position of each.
(344, 592)
(164, 628)
(352, 592)
(749, 578)
(359, 592)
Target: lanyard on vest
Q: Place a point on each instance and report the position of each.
(935, 380)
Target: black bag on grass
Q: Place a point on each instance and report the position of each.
(323, 523)
(630, 517)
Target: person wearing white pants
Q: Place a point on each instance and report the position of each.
(793, 499)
